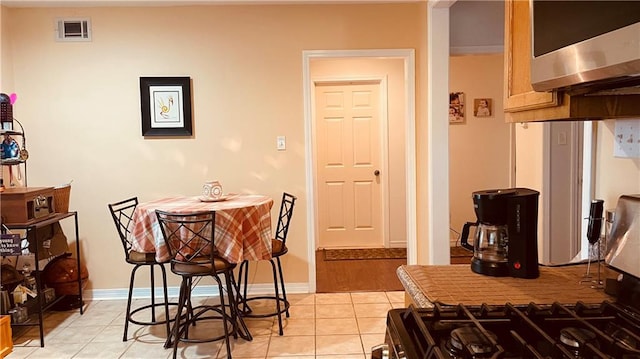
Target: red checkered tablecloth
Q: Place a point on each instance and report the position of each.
(243, 225)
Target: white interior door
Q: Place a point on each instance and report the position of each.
(348, 164)
(567, 191)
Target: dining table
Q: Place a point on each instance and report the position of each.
(242, 229)
(242, 225)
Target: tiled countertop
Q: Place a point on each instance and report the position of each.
(453, 284)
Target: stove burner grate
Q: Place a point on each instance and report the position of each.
(470, 340)
(602, 330)
(576, 338)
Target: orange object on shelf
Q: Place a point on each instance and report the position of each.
(61, 274)
(6, 343)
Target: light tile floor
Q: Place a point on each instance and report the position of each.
(337, 325)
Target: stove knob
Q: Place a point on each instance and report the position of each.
(380, 351)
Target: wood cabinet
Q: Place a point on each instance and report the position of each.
(523, 104)
(519, 95)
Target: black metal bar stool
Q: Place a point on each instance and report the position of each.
(190, 239)
(122, 213)
(278, 249)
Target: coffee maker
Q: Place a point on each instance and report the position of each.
(506, 237)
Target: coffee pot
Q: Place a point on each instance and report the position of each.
(505, 242)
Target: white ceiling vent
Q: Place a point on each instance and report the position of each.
(73, 29)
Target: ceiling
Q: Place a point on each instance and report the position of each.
(476, 26)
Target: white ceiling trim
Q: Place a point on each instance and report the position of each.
(468, 50)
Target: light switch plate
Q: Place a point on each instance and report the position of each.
(281, 143)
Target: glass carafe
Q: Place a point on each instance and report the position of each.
(491, 243)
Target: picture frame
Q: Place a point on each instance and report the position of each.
(456, 107)
(482, 107)
(165, 104)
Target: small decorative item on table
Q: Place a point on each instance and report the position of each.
(211, 191)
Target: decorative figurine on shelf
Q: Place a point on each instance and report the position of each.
(11, 153)
(9, 149)
(6, 111)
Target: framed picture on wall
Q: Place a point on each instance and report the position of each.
(456, 107)
(482, 107)
(166, 106)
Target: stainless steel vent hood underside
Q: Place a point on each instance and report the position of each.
(608, 64)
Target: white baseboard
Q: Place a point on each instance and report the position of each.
(398, 244)
(198, 291)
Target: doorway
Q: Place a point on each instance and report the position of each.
(337, 66)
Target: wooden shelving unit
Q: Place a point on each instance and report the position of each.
(38, 306)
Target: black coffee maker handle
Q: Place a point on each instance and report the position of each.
(464, 237)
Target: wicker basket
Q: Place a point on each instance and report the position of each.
(61, 198)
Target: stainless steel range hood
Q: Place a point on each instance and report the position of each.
(608, 64)
(586, 46)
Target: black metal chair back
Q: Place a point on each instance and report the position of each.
(122, 214)
(284, 218)
(190, 239)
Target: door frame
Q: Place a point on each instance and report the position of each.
(381, 81)
(408, 57)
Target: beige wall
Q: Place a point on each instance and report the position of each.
(6, 74)
(80, 106)
(3, 53)
(614, 176)
(479, 148)
(6, 63)
(393, 71)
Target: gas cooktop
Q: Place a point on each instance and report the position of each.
(557, 329)
(604, 330)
